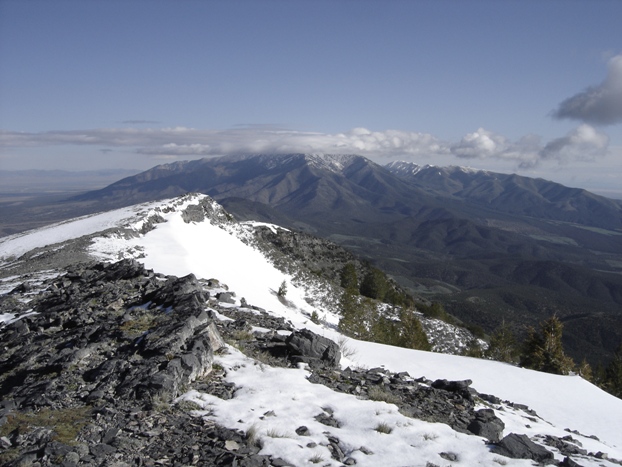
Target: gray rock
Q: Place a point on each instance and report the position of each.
(307, 347)
(521, 447)
(452, 386)
(225, 297)
(302, 431)
(450, 456)
(487, 425)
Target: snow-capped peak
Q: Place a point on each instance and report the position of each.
(333, 162)
(404, 168)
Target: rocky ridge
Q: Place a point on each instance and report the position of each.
(91, 373)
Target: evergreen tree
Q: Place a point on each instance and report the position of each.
(374, 284)
(600, 376)
(411, 334)
(473, 349)
(613, 374)
(349, 280)
(544, 351)
(585, 371)
(503, 346)
(435, 310)
(357, 316)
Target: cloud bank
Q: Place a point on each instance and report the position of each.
(599, 105)
(583, 143)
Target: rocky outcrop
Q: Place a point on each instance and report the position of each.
(442, 401)
(521, 447)
(90, 373)
(90, 377)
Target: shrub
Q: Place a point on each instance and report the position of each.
(315, 317)
(345, 349)
(383, 428)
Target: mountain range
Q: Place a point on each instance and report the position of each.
(490, 247)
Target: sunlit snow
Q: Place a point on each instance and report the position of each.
(273, 402)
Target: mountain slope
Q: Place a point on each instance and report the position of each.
(514, 194)
(193, 234)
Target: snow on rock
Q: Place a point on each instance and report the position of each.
(276, 403)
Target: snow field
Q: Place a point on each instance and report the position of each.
(17, 245)
(274, 402)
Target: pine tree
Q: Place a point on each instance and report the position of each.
(613, 374)
(357, 316)
(349, 280)
(374, 284)
(412, 335)
(544, 351)
(503, 346)
(473, 349)
(585, 371)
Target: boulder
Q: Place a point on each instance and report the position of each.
(307, 347)
(521, 447)
(487, 425)
(452, 386)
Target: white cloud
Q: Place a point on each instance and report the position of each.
(583, 143)
(484, 144)
(600, 105)
(182, 141)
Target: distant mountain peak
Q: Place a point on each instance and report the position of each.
(403, 167)
(333, 162)
(411, 168)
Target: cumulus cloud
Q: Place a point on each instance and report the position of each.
(583, 143)
(484, 144)
(600, 105)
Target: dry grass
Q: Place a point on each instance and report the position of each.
(316, 459)
(377, 393)
(346, 351)
(65, 423)
(252, 436)
(383, 428)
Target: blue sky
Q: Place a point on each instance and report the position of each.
(533, 87)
